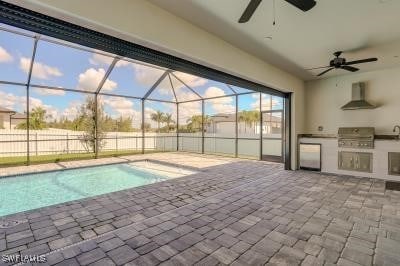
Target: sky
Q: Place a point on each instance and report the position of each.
(56, 65)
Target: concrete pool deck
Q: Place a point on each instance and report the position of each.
(232, 211)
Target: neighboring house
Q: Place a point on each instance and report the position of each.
(9, 119)
(17, 119)
(225, 124)
(5, 114)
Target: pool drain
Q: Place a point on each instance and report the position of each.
(4, 224)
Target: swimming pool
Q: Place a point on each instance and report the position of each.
(32, 191)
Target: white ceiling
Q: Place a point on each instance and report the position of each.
(301, 40)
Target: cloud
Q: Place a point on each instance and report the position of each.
(99, 59)
(18, 104)
(5, 57)
(51, 111)
(147, 116)
(147, 76)
(12, 102)
(117, 107)
(265, 102)
(182, 92)
(164, 88)
(91, 78)
(186, 95)
(219, 105)
(144, 74)
(190, 80)
(72, 110)
(40, 70)
(187, 110)
(43, 91)
(122, 106)
(147, 113)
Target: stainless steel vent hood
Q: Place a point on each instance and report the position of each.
(357, 98)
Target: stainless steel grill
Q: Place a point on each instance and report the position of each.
(356, 137)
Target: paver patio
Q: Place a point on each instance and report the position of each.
(232, 212)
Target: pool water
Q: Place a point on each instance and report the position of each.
(31, 191)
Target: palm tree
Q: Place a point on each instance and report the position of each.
(206, 120)
(168, 120)
(158, 117)
(255, 118)
(250, 118)
(194, 123)
(245, 116)
(241, 118)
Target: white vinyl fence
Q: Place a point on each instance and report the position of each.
(43, 142)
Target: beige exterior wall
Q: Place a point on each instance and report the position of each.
(5, 121)
(2, 118)
(325, 97)
(144, 23)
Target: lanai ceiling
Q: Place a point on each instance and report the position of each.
(298, 41)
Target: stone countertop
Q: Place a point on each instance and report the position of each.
(387, 137)
(324, 136)
(334, 136)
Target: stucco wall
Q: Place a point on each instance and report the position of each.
(325, 97)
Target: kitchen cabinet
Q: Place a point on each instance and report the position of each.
(355, 161)
(346, 160)
(377, 167)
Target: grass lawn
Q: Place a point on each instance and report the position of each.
(53, 158)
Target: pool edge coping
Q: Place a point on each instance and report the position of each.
(27, 212)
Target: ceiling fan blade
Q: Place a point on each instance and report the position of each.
(350, 68)
(362, 61)
(317, 67)
(320, 74)
(304, 5)
(248, 12)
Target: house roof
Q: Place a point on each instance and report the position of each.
(223, 118)
(219, 118)
(18, 116)
(6, 110)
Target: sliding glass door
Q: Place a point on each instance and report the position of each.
(272, 135)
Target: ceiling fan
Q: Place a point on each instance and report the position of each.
(304, 5)
(340, 62)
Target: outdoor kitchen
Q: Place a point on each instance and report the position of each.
(356, 149)
(378, 157)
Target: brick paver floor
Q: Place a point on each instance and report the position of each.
(232, 212)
